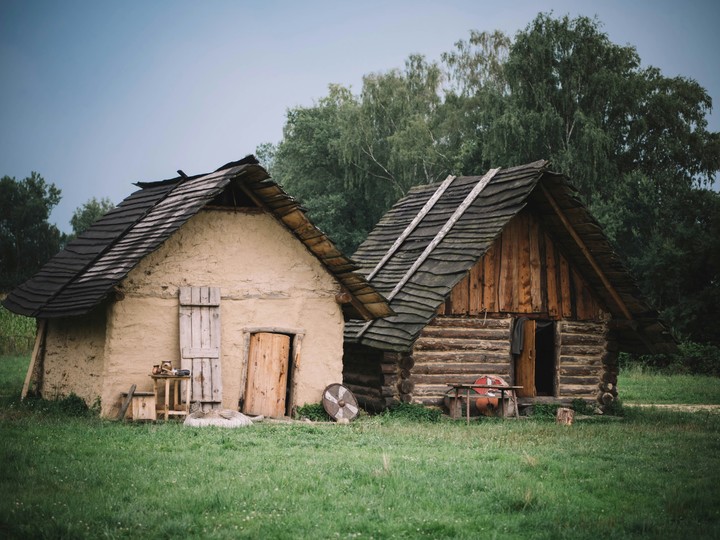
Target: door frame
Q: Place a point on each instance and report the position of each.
(296, 338)
(529, 353)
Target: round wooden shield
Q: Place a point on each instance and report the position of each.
(339, 402)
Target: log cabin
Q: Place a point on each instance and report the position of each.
(222, 274)
(505, 274)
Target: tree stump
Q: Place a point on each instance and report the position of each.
(564, 416)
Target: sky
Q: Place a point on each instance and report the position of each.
(96, 95)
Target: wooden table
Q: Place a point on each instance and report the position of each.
(510, 389)
(178, 408)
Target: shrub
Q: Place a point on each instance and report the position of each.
(71, 405)
(414, 412)
(313, 411)
(17, 333)
(692, 358)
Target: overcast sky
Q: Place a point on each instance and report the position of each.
(97, 94)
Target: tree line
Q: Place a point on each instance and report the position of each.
(634, 142)
(27, 239)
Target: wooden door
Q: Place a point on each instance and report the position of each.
(267, 374)
(525, 362)
(200, 343)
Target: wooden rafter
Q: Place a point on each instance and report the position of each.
(586, 252)
(413, 225)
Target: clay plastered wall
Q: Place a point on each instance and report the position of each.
(267, 278)
(73, 361)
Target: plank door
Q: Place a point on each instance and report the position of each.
(200, 343)
(267, 374)
(525, 362)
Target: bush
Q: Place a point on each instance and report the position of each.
(313, 411)
(691, 359)
(17, 333)
(71, 405)
(414, 412)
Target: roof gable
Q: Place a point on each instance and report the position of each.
(415, 264)
(85, 272)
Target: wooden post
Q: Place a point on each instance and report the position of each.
(35, 357)
(564, 416)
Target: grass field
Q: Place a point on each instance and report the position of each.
(649, 474)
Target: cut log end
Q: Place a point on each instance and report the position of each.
(564, 416)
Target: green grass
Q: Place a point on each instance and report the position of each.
(645, 385)
(17, 333)
(650, 474)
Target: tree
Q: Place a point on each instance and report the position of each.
(27, 240)
(634, 142)
(348, 158)
(89, 213)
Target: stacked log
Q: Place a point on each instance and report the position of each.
(458, 350)
(608, 384)
(405, 385)
(582, 349)
(368, 376)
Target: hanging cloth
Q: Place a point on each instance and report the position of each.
(517, 338)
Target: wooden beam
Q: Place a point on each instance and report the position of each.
(413, 225)
(469, 199)
(34, 357)
(446, 228)
(586, 252)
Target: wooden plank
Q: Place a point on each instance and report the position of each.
(126, 403)
(586, 252)
(553, 305)
(267, 374)
(469, 199)
(525, 363)
(475, 287)
(460, 296)
(536, 281)
(507, 272)
(565, 293)
(524, 282)
(489, 282)
(413, 225)
(189, 352)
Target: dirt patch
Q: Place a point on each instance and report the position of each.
(677, 406)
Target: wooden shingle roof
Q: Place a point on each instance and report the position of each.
(430, 239)
(82, 275)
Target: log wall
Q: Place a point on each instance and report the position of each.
(373, 376)
(458, 349)
(587, 362)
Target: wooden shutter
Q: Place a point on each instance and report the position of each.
(525, 363)
(200, 343)
(267, 374)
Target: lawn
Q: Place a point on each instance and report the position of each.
(648, 474)
(644, 385)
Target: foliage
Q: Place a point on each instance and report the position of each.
(545, 410)
(89, 213)
(692, 358)
(27, 240)
(414, 412)
(313, 411)
(17, 333)
(583, 407)
(633, 141)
